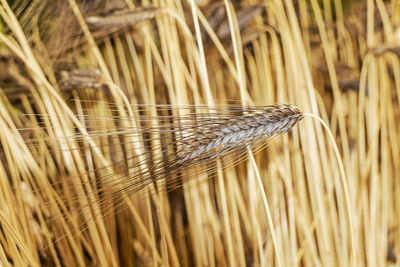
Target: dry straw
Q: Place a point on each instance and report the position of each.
(94, 175)
(190, 142)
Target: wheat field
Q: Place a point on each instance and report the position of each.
(186, 133)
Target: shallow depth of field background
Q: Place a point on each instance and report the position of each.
(336, 59)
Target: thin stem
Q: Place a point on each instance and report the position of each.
(267, 210)
(344, 183)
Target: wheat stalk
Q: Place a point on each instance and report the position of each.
(182, 142)
(170, 146)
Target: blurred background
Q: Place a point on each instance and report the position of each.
(70, 69)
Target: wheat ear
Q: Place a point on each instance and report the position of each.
(266, 123)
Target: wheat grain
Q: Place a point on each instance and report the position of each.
(169, 146)
(123, 18)
(239, 131)
(82, 78)
(174, 145)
